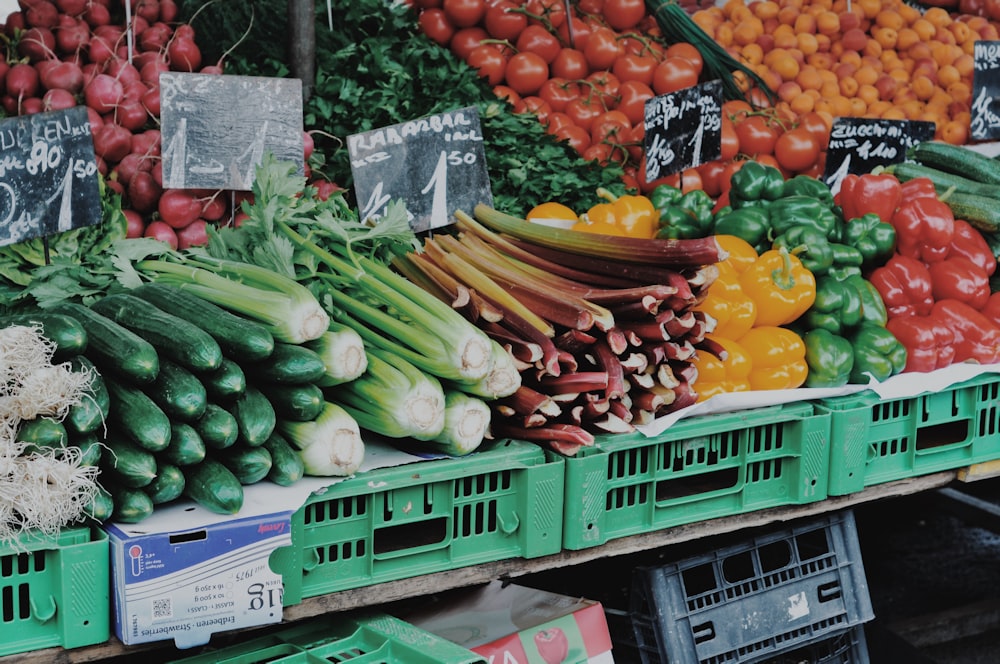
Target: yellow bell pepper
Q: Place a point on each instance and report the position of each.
(777, 357)
(782, 288)
(734, 311)
(741, 253)
(628, 215)
(718, 376)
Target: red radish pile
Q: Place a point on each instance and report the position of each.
(61, 53)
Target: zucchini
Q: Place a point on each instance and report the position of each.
(137, 415)
(249, 464)
(131, 505)
(225, 383)
(42, 433)
(290, 364)
(127, 463)
(178, 391)
(956, 159)
(65, 332)
(91, 449)
(113, 347)
(943, 180)
(294, 402)
(982, 212)
(286, 464)
(101, 505)
(214, 487)
(92, 411)
(176, 338)
(186, 446)
(255, 417)
(240, 338)
(168, 485)
(217, 427)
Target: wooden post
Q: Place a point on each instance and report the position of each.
(302, 43)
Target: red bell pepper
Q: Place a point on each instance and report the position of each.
(860, 194)
(992, 308)
(918, 188)
(905, 286)
(969, 242)
(977, 338)
(958, 278)
(924, 227)
(929, 342)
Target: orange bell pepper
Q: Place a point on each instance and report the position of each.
(718, 376)
(780, 285)
(777, 358)
(628, 215)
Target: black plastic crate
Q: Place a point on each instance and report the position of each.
(750, 601)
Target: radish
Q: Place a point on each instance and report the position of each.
(325, 188)
(184, 31)
(14, 24)
(42, 14)
(157, 173)
(4, 68)
(72, 7)
(143, 192)
(97, 14)
(134, 224)
(100, 49)
(112, 142)
(155, 37)
(147, 143)
(133, 91)
(150, 72)
(184, 55)
(110, 32)
(131, 164)
(94, 118)
(193, 235)
(168, 11)
(37, 44)
(123, 70)
(160, 231)
(71, 34)
(147, 9)
(215, 70)
(131, 114)
(61, 76)
(178, 207)
(139, 25)
(31, 105)
(22, 80)
(58, 100)
(103, 93)
(151, 100)
(215, 207)
(143, 58)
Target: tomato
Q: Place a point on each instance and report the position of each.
(736, 109)
(534, 105)
(632, 67)
(464, 13)
(571, 64)
(632, 100)
(507, 93)
(502, 23)
(757, 135)
(689, 180)
(575, 32)
(556, 121)
(584, 110)
(634, 142)
(603, 154)
(537, 39)
(673, 74)
(552, 11)
(770, 160)
(796, 149)
(605, 84)
(602, 49)
(730, 142)
(577, 137)
(559, 92)
(610, 126)
(435, 24)
(590, 6)
(624, 14)
(526, 72)
(687, 51)
(489, 62)
(466, 39)
(816, 125)
(711, 176)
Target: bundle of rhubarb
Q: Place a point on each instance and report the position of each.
(603, 328)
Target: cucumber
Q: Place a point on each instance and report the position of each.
(226, 383)
(300, 403)
(92, 411)
(127, 463)
(956, 159)
(240, 338)
(168, 485)
(255, 417)
(249, 464)
(101, 506)
(91, 448)
(982, 212)
(286, 464)
(943, 180)
(131, 505)
(290, 364)
(42, 433)
(214, 487)
(178, 391)
(136, 414)
(64, 331)
(186, 446)
(113, 347)
(217, 427)
(173, 337)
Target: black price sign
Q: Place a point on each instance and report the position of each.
(48, 175)
(984, 121)
(858, 145)
(683, 129)
(435, 165)
(215, 129)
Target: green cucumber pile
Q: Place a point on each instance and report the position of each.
(189, 400)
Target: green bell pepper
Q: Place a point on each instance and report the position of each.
(803, 211)
(809, 245)
(664, 195)
(837, 307)
(830, 358)
(846, 256)
(690, 216)
(804, 185)
(755, 182)
(877, 353)
(872, 306)
(750, 223)
(872, 237)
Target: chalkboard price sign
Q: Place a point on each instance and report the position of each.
(984, 122)
(857, 145)
(683, 129)
(435, 165)
(215, 129)
(48, 175)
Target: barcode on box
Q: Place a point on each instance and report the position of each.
(162, 608)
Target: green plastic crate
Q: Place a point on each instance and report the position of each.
(54, 591)
(393, 523)
(368, 638)
(876, 440)
(700, 468)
